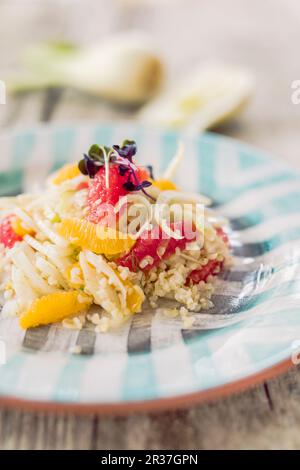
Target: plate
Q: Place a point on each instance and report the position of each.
(153, 363)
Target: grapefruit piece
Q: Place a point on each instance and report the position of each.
(54, 308)
(7, 234)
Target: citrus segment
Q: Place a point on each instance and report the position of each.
(98, 239)
(134, 299)
(67, 172)
(164, 185)
(19, 228)
(54, 308)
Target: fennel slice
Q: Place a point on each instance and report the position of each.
(212, 93)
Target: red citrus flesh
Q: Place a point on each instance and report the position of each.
(7, 235)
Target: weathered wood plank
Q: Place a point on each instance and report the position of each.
(242, 421)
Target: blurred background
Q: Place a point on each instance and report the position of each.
(262, 37)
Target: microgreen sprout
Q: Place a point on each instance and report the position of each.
(99, 156)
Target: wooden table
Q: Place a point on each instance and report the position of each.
(262, 35)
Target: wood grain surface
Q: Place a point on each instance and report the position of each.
(264, 36)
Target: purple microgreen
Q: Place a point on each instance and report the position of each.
(123, 169)
(118, 155)
(129, 186)
(124, 162)
(140, 185)
(88, 166)
(144, 184)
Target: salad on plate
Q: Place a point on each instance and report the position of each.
(104, 236)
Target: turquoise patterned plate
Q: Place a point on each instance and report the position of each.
(154, 363)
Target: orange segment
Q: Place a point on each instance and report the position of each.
(164, 185)
(19, 228)
(134, 298)
(67, 172)
(98, 239)
(54, 308)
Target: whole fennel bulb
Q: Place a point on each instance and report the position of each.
(124, 68)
